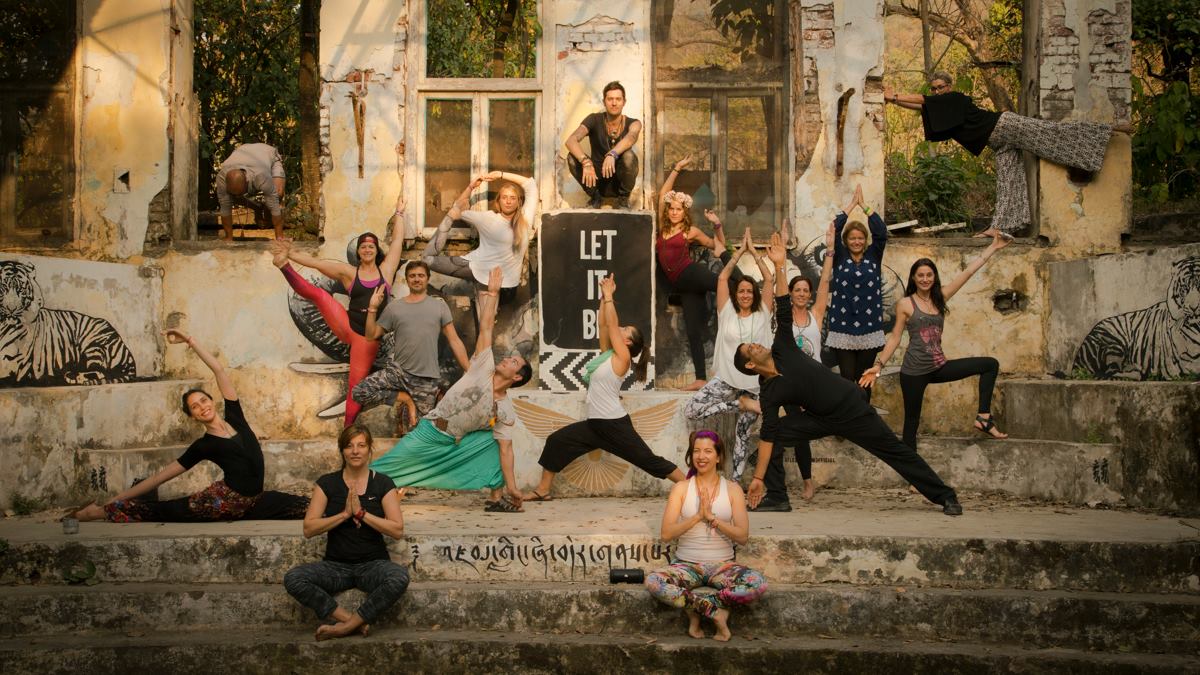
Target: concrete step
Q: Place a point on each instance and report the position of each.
(858, 537)
(293, 650)
(1094, 621)
(42, 427)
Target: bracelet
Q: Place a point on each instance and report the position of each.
(756, 478)
(586, 160)
(372, 309)
(611, 153)
(717, 225)
(361, 513)
(604, 301)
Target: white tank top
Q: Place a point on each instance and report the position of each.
(808, 338)
(604, 393)
(703, 543)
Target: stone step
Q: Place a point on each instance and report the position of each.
(42, 427)
(388, 649)
(1095, 621)
(859, 537)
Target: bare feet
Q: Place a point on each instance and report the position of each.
(810, 489)
(694, 625)
(1123, 129)
(990, 232)
(721, 619)
(747, 403)
(90, 512)
(341, 629)
(695, 386)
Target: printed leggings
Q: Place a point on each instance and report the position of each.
(735, 585)
(717, 397)
(913, 388)
(314, 584)
(215, 502)
(362, 350)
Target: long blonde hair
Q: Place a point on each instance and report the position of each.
(519, 224)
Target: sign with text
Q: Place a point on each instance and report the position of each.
(577, 249)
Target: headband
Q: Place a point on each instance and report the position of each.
(681, 197)
(710, 435)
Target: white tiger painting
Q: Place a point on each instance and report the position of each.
(1162, 340)
(48, 347)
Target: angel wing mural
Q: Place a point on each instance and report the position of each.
(597, 471)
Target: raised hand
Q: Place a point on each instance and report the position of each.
(831, 237)
(490, 176)
(1000, 240)
(377, 297)
(683, 163)
(176, 337)
(400, 203)
(711, 216)
(608, 286)
(858, 195)
(776, 250)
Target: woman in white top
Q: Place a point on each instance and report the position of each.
(746, 319)
(504, 233)
(608, 426)
(707, 514)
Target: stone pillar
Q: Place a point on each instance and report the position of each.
(1082, 56)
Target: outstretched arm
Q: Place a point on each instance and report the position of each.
(669, 183)
(602, 319)
(488, 301)
(338, 271)
(223, 382)
(909, 101)
(456, 347)
(463, 201)
(757, 489)
(391, 261)
(821, 303)
(903, 311)
(768, 297)
(727, 272)
(612, 325)
(718, 245)
(999, 241)
(161, 476)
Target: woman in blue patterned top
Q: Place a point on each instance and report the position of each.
(855, 332)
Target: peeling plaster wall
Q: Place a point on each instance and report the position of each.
(124, 49)
(839, 47)
(595, 44)
(1083, 74)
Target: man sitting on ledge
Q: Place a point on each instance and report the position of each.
(612, 136)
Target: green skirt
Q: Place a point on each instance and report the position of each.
(429, 457)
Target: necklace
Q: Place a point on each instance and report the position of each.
(615, 131)
(745, 337)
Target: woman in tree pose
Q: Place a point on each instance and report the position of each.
(951, 115)
(922, 312)
(348, 324)
(228, 442)
(855, 331)
(607, 426)
(707, 515)
(356, 507)
(746, 319)
(504, 233)
(690, 280)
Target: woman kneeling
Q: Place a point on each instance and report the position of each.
(707, 514)
(356, 506)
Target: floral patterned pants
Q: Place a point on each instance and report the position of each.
(735, 585)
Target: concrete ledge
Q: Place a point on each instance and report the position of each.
(1095, 621)
(275, 651)
(1154, 425)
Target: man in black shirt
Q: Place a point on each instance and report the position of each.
(611, 135)
(830, 405)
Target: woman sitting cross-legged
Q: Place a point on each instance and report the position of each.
(356, 507)
(228, 442)
(707, 514)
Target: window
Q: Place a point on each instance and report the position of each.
(477, 94)
(720, 81)
(37, 148)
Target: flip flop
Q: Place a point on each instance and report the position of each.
(539, 497)
(502, 505)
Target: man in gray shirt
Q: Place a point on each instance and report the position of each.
(413, 375)
(254, 168)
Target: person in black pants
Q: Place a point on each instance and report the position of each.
(922, 312)
(611, 168)
(356, 506)
(828, 404)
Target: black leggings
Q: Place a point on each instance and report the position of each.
(913, 388)
(614, 436)
(852, 363)
(693, 286)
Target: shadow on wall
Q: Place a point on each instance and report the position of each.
(1161, 341)
(42, 347)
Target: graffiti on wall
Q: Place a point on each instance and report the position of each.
(40, 346)
(1162, 340)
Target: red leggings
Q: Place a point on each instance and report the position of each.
(362, 350)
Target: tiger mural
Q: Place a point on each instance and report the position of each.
(1162, 340)
(47, 347)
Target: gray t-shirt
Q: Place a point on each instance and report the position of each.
(470, 404)
(417, 326)
(262, 165)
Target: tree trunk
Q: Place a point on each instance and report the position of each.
(927, 41)
(504, 30)
(310, 115)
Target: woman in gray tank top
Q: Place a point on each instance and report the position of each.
(922, 313)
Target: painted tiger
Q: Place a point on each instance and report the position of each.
(41, 347)
(1162, 340)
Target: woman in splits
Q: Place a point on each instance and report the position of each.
(855, 331)
(707, 514)
(693, 282)
(951, 115)
(746, 317)
(607, 426)
(922, 312)
(356, 507)
(504, 233)
(349, 324)
(229, 443)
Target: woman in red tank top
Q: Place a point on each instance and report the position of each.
(691, 281)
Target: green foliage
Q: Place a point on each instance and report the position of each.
(84, 574)
(750, 24)
(938, 184)
(247, 80)
(3, 546)
(462, 36)
(23, 506)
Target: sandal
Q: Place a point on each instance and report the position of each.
(539, 497)
(986, 425)
(502, 505)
